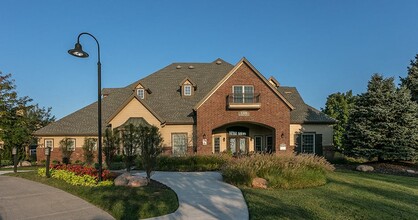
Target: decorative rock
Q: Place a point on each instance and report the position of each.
(122, 180)
(26, 164)
(138, 182)
(411, 171)
(364, 168)
(259, 183)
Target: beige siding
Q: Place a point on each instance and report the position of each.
(79, 141)
(167, 130)
(325, 130)
(134, 109)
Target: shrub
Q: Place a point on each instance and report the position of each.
(74, 176)
(191, 163)
(288, 172)
(117, 166)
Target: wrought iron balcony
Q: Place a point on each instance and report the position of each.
(243, 101)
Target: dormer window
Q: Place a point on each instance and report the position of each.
(187, 87)
(140, 93)
(187, 90)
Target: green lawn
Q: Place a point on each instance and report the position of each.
(120, 202)
(347, 195)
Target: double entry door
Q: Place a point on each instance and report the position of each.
(238, 144)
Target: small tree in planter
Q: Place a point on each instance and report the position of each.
(67, 147)
(111, 143)
(88, 150)
(150, 142)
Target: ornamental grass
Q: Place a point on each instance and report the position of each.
(281, 171)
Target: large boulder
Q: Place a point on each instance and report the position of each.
(364, 168)
(137, 181)
(123, 179)
(259, 183)
(25, 164)
(127, 179)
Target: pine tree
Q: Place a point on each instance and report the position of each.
(338, 106)
(411, 80)
(383, 123)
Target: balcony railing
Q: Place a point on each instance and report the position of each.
(243, 101)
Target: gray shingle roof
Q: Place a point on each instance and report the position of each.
(303, 113)
(166, 100)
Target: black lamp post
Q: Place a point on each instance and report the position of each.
(78, 52)
(48, 156)
(14, 153)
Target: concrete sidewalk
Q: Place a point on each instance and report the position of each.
(203, 195)
(24, 199)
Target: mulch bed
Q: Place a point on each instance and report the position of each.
(393, 168)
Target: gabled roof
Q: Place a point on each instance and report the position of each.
(231, 72)
(303, 113)
(166, 102)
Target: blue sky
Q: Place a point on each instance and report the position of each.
(320, 47)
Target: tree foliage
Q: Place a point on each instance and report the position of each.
(19, 118)
(88, 150)
(150, 142)
(130, 145)
(338, 106)
(66, 151)
(111, 144)
(383, 123)
(411, 80)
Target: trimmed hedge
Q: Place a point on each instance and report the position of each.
(189, 163)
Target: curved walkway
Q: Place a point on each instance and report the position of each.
(25, 199)
(203, 195)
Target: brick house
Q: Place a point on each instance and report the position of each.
(203, 108)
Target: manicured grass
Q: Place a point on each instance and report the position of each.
(121, 202)
(347, 195)
(19, 168)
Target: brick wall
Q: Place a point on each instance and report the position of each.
(213, 112)
(56, 155)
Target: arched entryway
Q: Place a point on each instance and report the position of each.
(243, 138)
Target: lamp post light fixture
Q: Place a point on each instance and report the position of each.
(14, 153)
(78, 52)
(48, 156)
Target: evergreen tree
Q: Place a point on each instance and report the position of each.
(382, 122)
(131, 145)
(338, 106)
(411, 80)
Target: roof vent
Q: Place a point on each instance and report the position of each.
(178, 67)
(288, 92)
(191, 67)
(219, 62)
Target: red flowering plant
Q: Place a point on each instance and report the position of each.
(81, 170)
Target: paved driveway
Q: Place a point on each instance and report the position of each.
(24, 199)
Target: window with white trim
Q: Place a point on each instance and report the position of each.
(308, 143)
(187, 90)
(71, 144)
(179, 143)
(140, 93)
(243, 93)
(49, 143)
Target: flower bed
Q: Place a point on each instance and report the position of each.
(78, 175)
